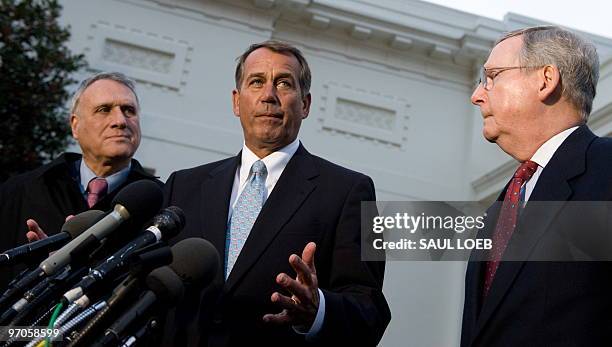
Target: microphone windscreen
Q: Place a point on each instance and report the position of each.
(142, 199)
(196, 261)
(76, 225)
(166, 284)
(169, 221)
(180, 215)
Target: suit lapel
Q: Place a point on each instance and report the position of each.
(216, 192)
(292, 188)
(553, 186)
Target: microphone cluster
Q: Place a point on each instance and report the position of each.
(92, 287)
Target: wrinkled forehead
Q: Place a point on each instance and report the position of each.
(108, 92)
(505, 53)
(264, 60)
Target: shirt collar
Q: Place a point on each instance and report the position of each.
(543, 155)
(113, 181)
(275, 162)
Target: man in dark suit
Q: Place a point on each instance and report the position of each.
(105, 122)
(285, 222)
(535, 95)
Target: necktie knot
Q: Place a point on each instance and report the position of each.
(526, 170)
(97, 186)
(96, 189)
(259, 168)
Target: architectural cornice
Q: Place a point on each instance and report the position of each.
(601, 120)
(401, 28)
(406, 25)
(491, 182)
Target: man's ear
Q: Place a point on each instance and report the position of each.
(306, 105)
(74, 125)
(236, 102)
(549, 79)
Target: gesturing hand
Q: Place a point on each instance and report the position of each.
(35, 232)
(301, 308)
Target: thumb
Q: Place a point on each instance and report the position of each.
(35, 232)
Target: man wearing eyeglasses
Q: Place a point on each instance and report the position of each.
(535, 96)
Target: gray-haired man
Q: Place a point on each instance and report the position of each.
(535, 95)
(104, 119)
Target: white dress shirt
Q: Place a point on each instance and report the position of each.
(543, 155)
(275, 165)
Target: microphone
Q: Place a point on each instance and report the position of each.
(167, 224)
(146, 260)
(76, 225)
(139, 200)
(195, 261)
(72, 228)
(165, 287)
(142, 198)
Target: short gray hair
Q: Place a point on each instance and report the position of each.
(575, 57)
(113, 76)
(304, 79)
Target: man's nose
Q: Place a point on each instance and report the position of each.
(478, 96)
(118, 118)
(269, 93)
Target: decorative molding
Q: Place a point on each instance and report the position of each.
(605, 68)
(241, 15)
(319, 22)
(441, 52)
(601, 120)
(139, 57)
(364, 115)
(147, 57)
(401, 42)
(423, 31)
(406, 64)
(264, 3)
(360, 33)
(491, 181)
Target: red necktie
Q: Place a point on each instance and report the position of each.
(96, 190)
(506, 222)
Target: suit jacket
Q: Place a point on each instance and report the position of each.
(313, 200)
(47, 195)
(538, 303)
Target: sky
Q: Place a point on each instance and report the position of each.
(593, 16)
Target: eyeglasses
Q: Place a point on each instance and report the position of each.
(487, 75)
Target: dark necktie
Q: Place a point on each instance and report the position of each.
(96, 190)
(507, 220)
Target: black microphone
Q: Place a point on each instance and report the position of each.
(145, 260)
(165, 288)
(167, 224)
(76, 225)
(195, 261)
(139, 200)
(71, 229)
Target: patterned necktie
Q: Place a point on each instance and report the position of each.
(96, 190)
(245, 213)
(506, 222)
